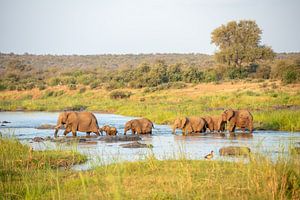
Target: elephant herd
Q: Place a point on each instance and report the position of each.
(232, 118)
(87, 122)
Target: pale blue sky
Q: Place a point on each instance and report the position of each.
(139, 26)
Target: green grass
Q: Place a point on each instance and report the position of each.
(147, 179)
(164, 106)
(28, 175)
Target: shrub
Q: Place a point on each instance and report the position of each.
(263, 71)
(2, 87)
(42, 87)
(290, 76)
(72, 87)
(236, 73)
(48, 93)
(82, 90)
(54, 81)
(94, 85)
(117, 94)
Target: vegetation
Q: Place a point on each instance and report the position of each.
(260, 178)
(274, 105)
(238, 44)
(25, 72)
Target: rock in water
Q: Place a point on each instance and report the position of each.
(38, 139)
(120, 138)
(136, 145)
(46, 126)
(234, 151)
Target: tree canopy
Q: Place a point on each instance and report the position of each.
(239, 44)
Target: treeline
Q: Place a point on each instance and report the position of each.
(19, 75)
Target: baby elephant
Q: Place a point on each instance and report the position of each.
(109, 130)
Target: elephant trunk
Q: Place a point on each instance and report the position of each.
(173, 129)
(56, 131)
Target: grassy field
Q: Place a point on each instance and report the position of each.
(274, 105)
(39, 177)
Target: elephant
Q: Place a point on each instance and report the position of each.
(109, 130)
(215, 123)
(238, 118)
(139, 126)
(77, 121)
(189, 125)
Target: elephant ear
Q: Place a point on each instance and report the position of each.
(207, 119)
(183, 122)
(230, 113)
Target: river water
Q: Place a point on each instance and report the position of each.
(165, 145)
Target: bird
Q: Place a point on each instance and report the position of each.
(209, 156)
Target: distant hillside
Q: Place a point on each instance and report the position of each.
(108, 61)
(25, 72)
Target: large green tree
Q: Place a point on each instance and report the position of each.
(239, 44)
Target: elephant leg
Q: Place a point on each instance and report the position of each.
(243, 129)
(183, 131)
(97, 133)
(88, 134)
(231, 128)
(74, 132)
(66, 132)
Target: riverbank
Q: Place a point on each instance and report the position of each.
(146, 179)
(275, 106)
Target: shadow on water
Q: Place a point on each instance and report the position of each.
(164, 145)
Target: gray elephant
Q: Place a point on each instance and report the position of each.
(77, 121)
(189, 125)
(139, 126)
(238, 118)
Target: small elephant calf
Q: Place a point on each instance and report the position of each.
(109, 130)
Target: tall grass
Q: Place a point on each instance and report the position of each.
(28, 174)
(260, 178)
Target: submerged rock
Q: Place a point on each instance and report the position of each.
(136, 145)
(5, 122)
(46, 126)
(120, 138)
(234, 151)
(38, 139)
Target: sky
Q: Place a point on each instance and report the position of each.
(139, 26)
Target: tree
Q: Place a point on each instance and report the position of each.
(239, 44)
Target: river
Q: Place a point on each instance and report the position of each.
(165, 145)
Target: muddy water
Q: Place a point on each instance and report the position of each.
(165, 145)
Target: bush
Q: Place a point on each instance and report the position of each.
(94, 85)
(2, 87)
(82, 90)
(263, 71)
(48, 93)
(42, 87)
(236, 73)
(290, 76)
(72, 87)
(117, 94)
(54, 81)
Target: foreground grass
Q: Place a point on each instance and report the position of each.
(27, 174)
(266, 101)
(147, 179)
